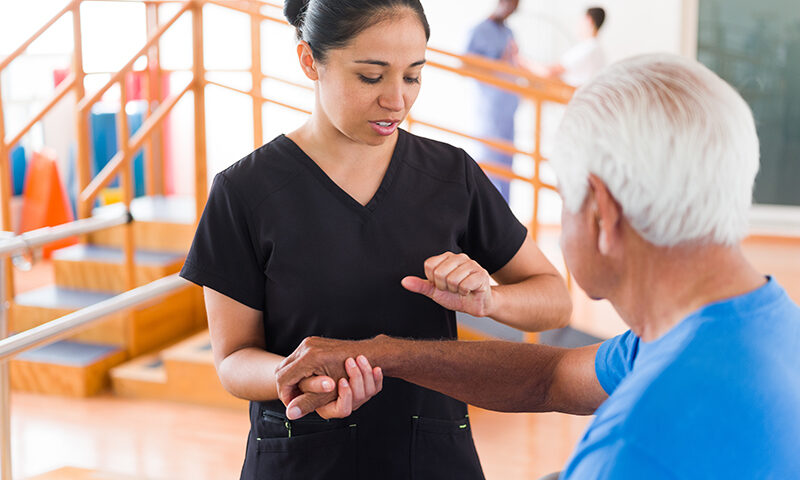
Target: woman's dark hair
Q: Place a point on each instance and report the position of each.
(598, 16)
(327, 24)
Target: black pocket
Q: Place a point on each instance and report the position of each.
(443, 449)
(315, 450)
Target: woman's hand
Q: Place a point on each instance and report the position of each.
(455, 282)
(363, 383)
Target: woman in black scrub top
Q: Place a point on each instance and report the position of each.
(349, 227)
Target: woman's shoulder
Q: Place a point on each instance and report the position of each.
(438, 159)
(263, 170)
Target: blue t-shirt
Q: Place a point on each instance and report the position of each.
(496, 107)
(718, 396)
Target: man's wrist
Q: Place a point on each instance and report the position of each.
(382, 351)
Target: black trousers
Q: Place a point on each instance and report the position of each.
(311, 448)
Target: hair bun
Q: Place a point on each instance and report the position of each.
(294, 11)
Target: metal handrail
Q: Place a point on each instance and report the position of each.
(51, 331)
(42, 236)
(68, 324)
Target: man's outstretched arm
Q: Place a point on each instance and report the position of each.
(503, 376)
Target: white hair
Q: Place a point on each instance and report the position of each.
(675, 145)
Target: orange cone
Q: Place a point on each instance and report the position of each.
(44, 201)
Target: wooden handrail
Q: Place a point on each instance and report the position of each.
(63, 88)
(117, 161)
(504, 68)
(27, 43)
(259, 97)
(503, 146)
(250, 11)
(506, 147)
(87, 103)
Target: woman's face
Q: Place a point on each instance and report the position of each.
(367, 88)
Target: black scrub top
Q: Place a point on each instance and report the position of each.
(278, 235)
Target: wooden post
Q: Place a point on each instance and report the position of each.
(82, 157)
(537, 159)
(6, 293)
(5, 203)
(533, 337)
(154, 147)
(5, 381)
(258, 78)
(199, 74)
(126, 183)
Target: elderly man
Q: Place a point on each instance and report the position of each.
(656, 162)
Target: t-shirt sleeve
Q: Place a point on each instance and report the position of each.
(494, 235)
(224, 255)
(614, 360)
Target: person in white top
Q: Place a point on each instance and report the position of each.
(581, 62)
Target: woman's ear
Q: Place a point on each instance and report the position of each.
(307, 62)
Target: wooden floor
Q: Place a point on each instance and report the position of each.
(118, 439)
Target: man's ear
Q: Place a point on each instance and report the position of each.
(307, 62)
(608, 215)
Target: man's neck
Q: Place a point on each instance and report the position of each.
(668, 284)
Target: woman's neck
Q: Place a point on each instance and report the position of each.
(328, 146)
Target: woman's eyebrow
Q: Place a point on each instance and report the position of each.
(381, 63)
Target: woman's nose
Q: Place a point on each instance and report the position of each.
(392, 98)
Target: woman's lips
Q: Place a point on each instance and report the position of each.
(384, 127)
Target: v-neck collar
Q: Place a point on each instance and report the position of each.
(338, 191)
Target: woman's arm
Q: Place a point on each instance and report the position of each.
(244, 367)
(247, 370)
(531, 295)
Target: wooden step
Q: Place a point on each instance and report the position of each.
(145, 328)
(35, 307)
(184, 372)
(160, 223)
(144, 377)
(97, 268)
(67, 368)
(192, 376)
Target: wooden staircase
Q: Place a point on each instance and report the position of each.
(88, 273)
(183, 372)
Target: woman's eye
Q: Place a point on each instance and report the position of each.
(369, 80)
(412, 79)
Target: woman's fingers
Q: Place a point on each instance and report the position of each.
(457, 276)
(366, 375)
(365, 382)
(355, 377)
(343, 406)
(377, 372)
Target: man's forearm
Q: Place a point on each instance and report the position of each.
(503, 376)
